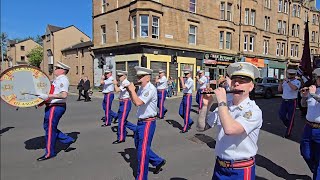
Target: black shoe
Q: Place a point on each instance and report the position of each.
(182, 131)
(103, 118)
(159, 167)
(43, 158)
(78, 99)
(118, 142)
(104, 125)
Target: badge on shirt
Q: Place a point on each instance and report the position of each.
(247, 115)
(146, 94)
(61, 85)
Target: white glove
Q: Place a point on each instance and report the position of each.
(43, 96)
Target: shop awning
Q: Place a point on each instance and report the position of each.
(277, 65)
(257, 62)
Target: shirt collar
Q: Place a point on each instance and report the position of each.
(241, 106)
(62, 75)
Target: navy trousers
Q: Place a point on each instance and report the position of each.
(50, 125)
(162, 94)
(286, 114)
(222, 173)
(310, 149)
(199, 98)
(123, 113)
(184, 110)
(142, 139)
(106, 105)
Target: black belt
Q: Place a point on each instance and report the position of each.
(108, 93)
(55, 104)
(186, 94)
(147, 119)
(288, 99)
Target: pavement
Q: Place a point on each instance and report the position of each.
(189, 156)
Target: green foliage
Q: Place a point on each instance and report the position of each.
(35, 56)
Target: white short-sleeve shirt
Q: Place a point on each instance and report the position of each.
(242, 146)
(123, 91)
(148, 95)
(163, 83)
(108, 85)
(203, 80)
(60, 83)
(313, 114)
(189, 86)
(288, 93)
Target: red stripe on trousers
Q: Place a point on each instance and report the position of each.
(107, 109)
(161, 103)
(187, 114)
(247, 173)
(292, 118)
(50, 131)
(201, 99)
(144, 149)
(122, 119)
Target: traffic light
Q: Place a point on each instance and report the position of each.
(144, 61)
(101, 62)
(174, 59)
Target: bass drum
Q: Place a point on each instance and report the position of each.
(21, 84)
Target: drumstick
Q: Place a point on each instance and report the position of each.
(24, 93)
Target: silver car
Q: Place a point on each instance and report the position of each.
(267, 87)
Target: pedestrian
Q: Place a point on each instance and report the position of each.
(80, 89)
(289, 88)
(162, 86)
(310, 143)
(124, 106)
(108, 88)
(238, 121)
(187, 84)
(55, 108)
(86, 88)
(170, 87)
(146, 100)
(202, 82)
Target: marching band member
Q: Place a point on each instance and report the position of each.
(162, 86)
(55, 108)
(290, 88)
(239, 121)
(146, 100)
(310, 143)
(124, 106)
(186, 102)
(108, 88)
(201, 85)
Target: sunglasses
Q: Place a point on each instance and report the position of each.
(58, 68)
(140, 76)
(241, 80)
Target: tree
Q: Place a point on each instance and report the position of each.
(35, 56)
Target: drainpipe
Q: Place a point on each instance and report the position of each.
(288, 32)
(240, 27)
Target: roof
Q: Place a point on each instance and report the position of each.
(14, 42)
(54, 28)
(79, 45)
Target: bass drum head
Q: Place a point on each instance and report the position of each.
(21, 84)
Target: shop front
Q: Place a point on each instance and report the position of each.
(259, 63)
(276, 69)
(215, 65)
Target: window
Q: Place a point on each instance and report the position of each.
(103, 34)
(155, 27)
(117, 3)
(77, 70)
(134, 27)
(251, 43)
(117, 31)
(228, 40)
(313, 19)
(22, 48)
(313, 34)
(246, 17)
(285, 6)
(279, 26)
(222, 10)
(192, 7)
(284, 27)
(192, 34)
(144, 25)
(267, 23)
(312, 51)
(229, 13)
(265, 46)
(82, 70)
(48, 37)
(283, 45)
(294, 10)
(294, 50)
(298, 11)
(278, 49)
(297, 30)
(267, 4)
(23, 58)
(82, 52)
(280, 6)
(305, 16)
(221, 40)
(293, 30)
(245, 43)
(252, 17)
(103, 6)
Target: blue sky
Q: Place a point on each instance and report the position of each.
(21, 18)
(30, 18)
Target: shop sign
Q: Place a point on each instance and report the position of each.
(255, 61)
(211, 58)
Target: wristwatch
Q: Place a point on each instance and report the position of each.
(222, 104)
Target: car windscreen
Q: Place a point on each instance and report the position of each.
(259, 80)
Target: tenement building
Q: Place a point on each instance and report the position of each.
(178, 34)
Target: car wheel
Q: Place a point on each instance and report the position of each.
(268, 94)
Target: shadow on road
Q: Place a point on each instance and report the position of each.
(130, 156)
(177, 178)
(174, 124)
(3, 130)
(211, 143)
(277, 170)
(40, 143)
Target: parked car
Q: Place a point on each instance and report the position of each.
(267, 87)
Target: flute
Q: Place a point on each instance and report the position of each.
(235, 91)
